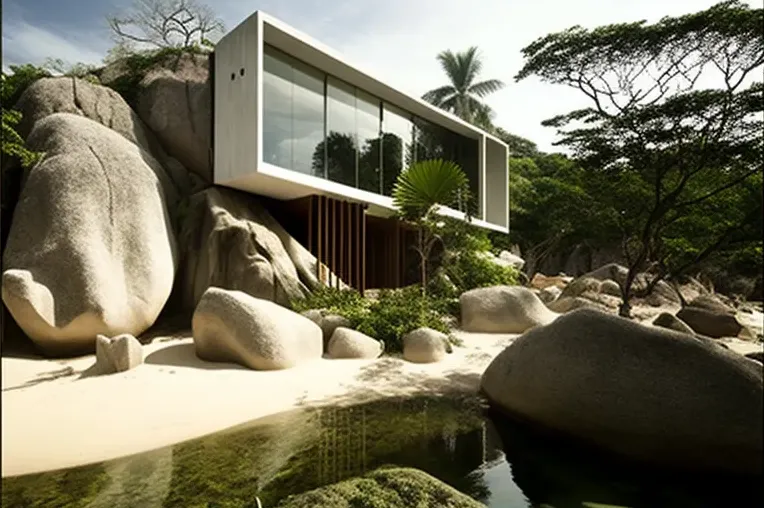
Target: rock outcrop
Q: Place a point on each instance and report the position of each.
(502, 309)
(649, 394)
(327, 322)
(230, 241)
(425, 345)
(710, 323)
(47, 96)
(91, 248)
(347, 343)
(176, 103)
(670, 321)
(234, 327)
(117, 354)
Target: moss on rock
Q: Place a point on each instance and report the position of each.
(385, 488)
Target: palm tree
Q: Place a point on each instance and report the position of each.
(418, 192)
(464, 95)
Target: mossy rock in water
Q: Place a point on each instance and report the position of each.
(385, 488)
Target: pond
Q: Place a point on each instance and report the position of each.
(495, 461)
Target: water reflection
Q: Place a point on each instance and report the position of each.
(495, 461)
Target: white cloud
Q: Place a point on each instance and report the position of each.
(26, 43)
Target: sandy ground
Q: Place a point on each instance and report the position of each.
(54, 418)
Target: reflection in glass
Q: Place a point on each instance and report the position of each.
(277, 109)
(293, 111)
(341, 147)
(397, 147)
(367, 129)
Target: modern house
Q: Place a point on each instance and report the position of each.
(295, 122)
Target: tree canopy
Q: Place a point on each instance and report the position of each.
(656, 116)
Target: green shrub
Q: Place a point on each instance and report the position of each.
(336, 301)
(136, 66)
(395, 313)
(472, 270)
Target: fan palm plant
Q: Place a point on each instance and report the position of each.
(463, 96)
(418, 192)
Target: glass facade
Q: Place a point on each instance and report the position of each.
(293, 112)
(319, 125)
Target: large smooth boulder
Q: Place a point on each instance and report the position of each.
(117, 354)
(581, 286)
(662, 294)
(670, 321)
(175, 101)
(328, 322)
(384, 488)
(230, 241)
(234, 327)
(91, 249)
(502, 309)
(101, 104)
(425, 345)
(710, 323)
(643, 392)
(549, 294)
(512, 260)
(566, 304)
(610, 287)
(348, 343)
(711, 303)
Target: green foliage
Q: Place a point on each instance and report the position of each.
(345, 302)
(519, 146)
(463, 96)
(429, 183)
(79, 70)
(472, 270)
(19, 79)
(393, 314)
(384, 488)
(133, 66)
(13, 146)
(661, 153)
(397, 312)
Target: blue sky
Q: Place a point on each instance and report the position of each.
(397, 40)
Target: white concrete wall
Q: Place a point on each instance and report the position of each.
(237, 100)
(238, 124)
(497, 183)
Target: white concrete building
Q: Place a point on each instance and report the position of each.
(295, 122)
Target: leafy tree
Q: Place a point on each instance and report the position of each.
(165, 24)
(518, 145)
(15, 155)
(419, 191)
(650, 119)
(463, 95)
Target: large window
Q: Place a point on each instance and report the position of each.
(319, 125)
(341, 144)
(293, 112)
(367, 129)
(397, 147)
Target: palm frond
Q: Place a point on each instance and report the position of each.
(437, 96)
(429, 183)
(454, 69)
(486, 87)
(471, 63)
